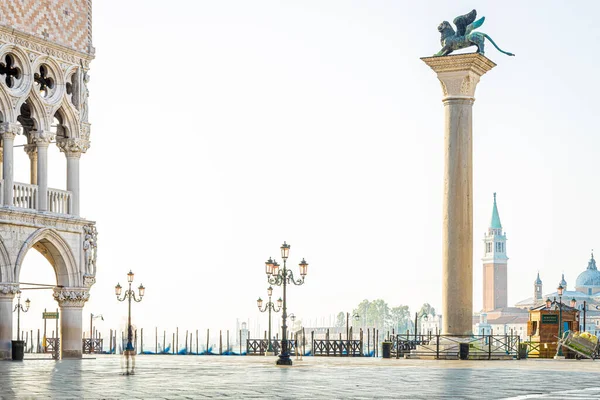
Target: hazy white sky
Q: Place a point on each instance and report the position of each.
(222, 128)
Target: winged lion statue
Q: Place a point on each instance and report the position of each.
(464, 36)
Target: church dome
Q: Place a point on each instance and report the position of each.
(589, 277)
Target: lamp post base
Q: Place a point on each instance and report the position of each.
(284, 360)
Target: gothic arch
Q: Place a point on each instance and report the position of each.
(58, 253)
(5, 264)
(69, 119)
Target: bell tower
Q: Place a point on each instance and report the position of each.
(494, 264)
(537, 290)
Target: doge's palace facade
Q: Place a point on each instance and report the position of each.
(45, 52)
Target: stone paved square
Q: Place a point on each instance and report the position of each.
(234, 377)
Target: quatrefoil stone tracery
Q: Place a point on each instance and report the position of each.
(45, 82)
(10, 71)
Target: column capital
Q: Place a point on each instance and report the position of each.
(73, 147)
(8, 290)
(9, 130)
(459, 73)
(71, 297)
(31, 150)
(41, 138)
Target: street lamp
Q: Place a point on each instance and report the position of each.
(355, 316)
(92, 318)
(281, 277)
(269, 307)
(18, 309)
(560, 291)
(129, 295)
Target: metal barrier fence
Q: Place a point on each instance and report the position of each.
(92, 346)
(337, 347)
(478, 347)
(258, 347)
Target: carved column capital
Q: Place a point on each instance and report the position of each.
(31, 150)
(71, 297)
(9, 130)
(460, 73)
(8, 290)
(41, 138)
(73, 147)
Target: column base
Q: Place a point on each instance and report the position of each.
(72, 354)
(284, 360)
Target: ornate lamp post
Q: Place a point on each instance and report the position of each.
(92, 318)
(355, 316)
(18, 308)
(560, 290)
(129, 295)
(281, 277)
(269, 307)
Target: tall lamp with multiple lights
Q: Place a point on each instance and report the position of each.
(129, 295)
(269, 307)
(282, 277)
(18, 308)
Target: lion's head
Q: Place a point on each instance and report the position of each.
(444, 26)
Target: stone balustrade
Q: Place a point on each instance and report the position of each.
(25, 195)
(59, 201)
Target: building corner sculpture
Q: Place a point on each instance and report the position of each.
(464, 36)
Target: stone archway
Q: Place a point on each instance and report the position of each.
(58, 253)
(71, 291)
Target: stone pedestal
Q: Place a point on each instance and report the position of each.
(459, 75)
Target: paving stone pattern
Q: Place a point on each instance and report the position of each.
(234, 377)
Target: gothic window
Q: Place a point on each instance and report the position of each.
(11, 72)
(44, 82)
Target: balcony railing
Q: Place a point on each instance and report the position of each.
(26, 196)
(59, 201)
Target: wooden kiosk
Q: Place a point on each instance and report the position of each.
(543, 327)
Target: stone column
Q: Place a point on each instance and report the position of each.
(42, 140)
(73, 149)
(7, 294)
(8, 132)
(31, 150)
(459, 75)
(1, 160)
(71, 302)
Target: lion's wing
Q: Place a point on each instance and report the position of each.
(474, 25)
(462, 21)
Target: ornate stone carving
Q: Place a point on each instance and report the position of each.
(73, 145)
(9, 35)
(88, 281)
(71, 297)
(31, 150)
(42, 137)
(84, 131)
(459, 74)
(90, 247)
(85, 93)
(8, 289)
(8, 130)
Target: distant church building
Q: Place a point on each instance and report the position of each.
(495, 265)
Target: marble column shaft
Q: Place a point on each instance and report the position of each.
(8, 132)
(73, 180)
(458, 75)
(6, 320)
(71, 330)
